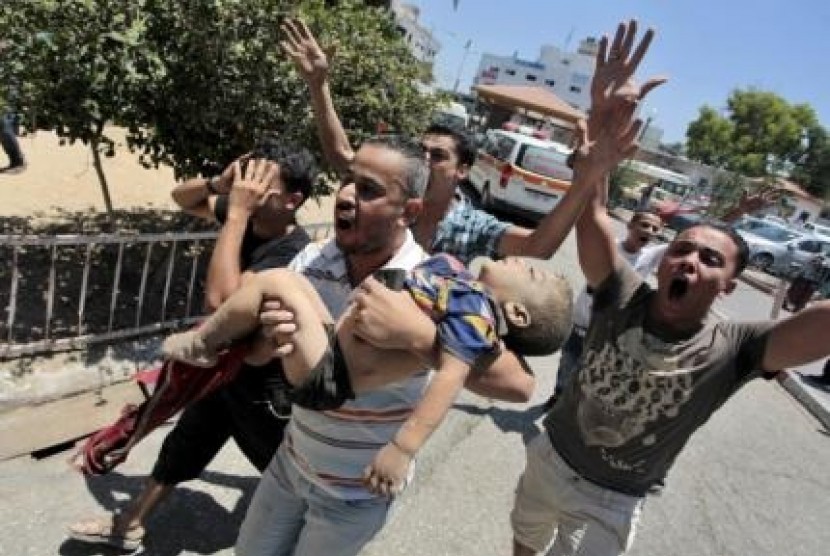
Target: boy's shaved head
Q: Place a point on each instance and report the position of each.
(550, 310)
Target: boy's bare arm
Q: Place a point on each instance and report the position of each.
(508, 379)
(431, 410)
(312, 63)
(388, 471)
(800, 339)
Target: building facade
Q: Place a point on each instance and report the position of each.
(566, 74)
(423, 45)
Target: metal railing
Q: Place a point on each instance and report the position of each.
(69, 291)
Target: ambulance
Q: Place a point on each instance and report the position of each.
(521, 174)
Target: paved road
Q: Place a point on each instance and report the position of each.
(753, 481)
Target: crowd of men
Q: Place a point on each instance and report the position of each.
(651, 367)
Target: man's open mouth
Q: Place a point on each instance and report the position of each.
(645, 238)
(678, 287)
(344, 216)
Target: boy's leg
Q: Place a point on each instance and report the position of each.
(238, 317)
(8, 138)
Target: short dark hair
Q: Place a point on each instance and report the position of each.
(742, 258)
(298, 169)
(417, 170)
(465, 145)
(550, 320)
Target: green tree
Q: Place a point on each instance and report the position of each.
(227, 82)
(813, 168)
(708, 138)
(198, 82)
(761, 135)
(76, 66)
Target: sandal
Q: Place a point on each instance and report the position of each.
(103, 531)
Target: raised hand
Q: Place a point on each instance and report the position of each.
(764, 197)
(610, 134)
(250, 186)
(225, 181)
(309, 58)
(613, 77)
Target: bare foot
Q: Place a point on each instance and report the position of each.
(108, 531)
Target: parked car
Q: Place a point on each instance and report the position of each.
(799, 254)
(817, 229)
(519, 173)
(767, 244)
(776, 248)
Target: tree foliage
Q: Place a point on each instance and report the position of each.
(197, 82)
(762, 135)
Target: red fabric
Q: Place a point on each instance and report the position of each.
(178, 385)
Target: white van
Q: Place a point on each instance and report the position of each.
(519, 173)
(453, 113)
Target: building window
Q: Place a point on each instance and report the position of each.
(530, 77)
(510, 72)
(550, 82)
(580, 79)
(575, 89)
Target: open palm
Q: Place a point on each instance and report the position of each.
(310, 60)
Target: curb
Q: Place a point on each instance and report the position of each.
(805, 395)
(758, 283)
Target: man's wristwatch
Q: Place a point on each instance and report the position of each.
(211, 185)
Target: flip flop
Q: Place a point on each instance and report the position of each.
(100, 531)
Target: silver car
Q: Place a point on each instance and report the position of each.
(800, 252)
(768, 244)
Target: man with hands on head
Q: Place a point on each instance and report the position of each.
(656, 365)
(255, 200)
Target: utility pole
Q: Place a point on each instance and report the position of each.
(461, 65)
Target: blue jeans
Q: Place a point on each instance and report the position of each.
(569, 360)
(8, 138)
(290, 516)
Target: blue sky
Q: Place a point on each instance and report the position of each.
(707, 48)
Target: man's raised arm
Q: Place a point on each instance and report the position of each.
(613, 98)
(312, 63)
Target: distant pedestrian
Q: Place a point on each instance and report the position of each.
(805, 284)
(8, 137)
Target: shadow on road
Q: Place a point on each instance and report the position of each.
(189, 521)
(522, 421)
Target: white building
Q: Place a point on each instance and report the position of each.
(421, 41)
(566, 74)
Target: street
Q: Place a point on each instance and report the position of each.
(752, 481)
